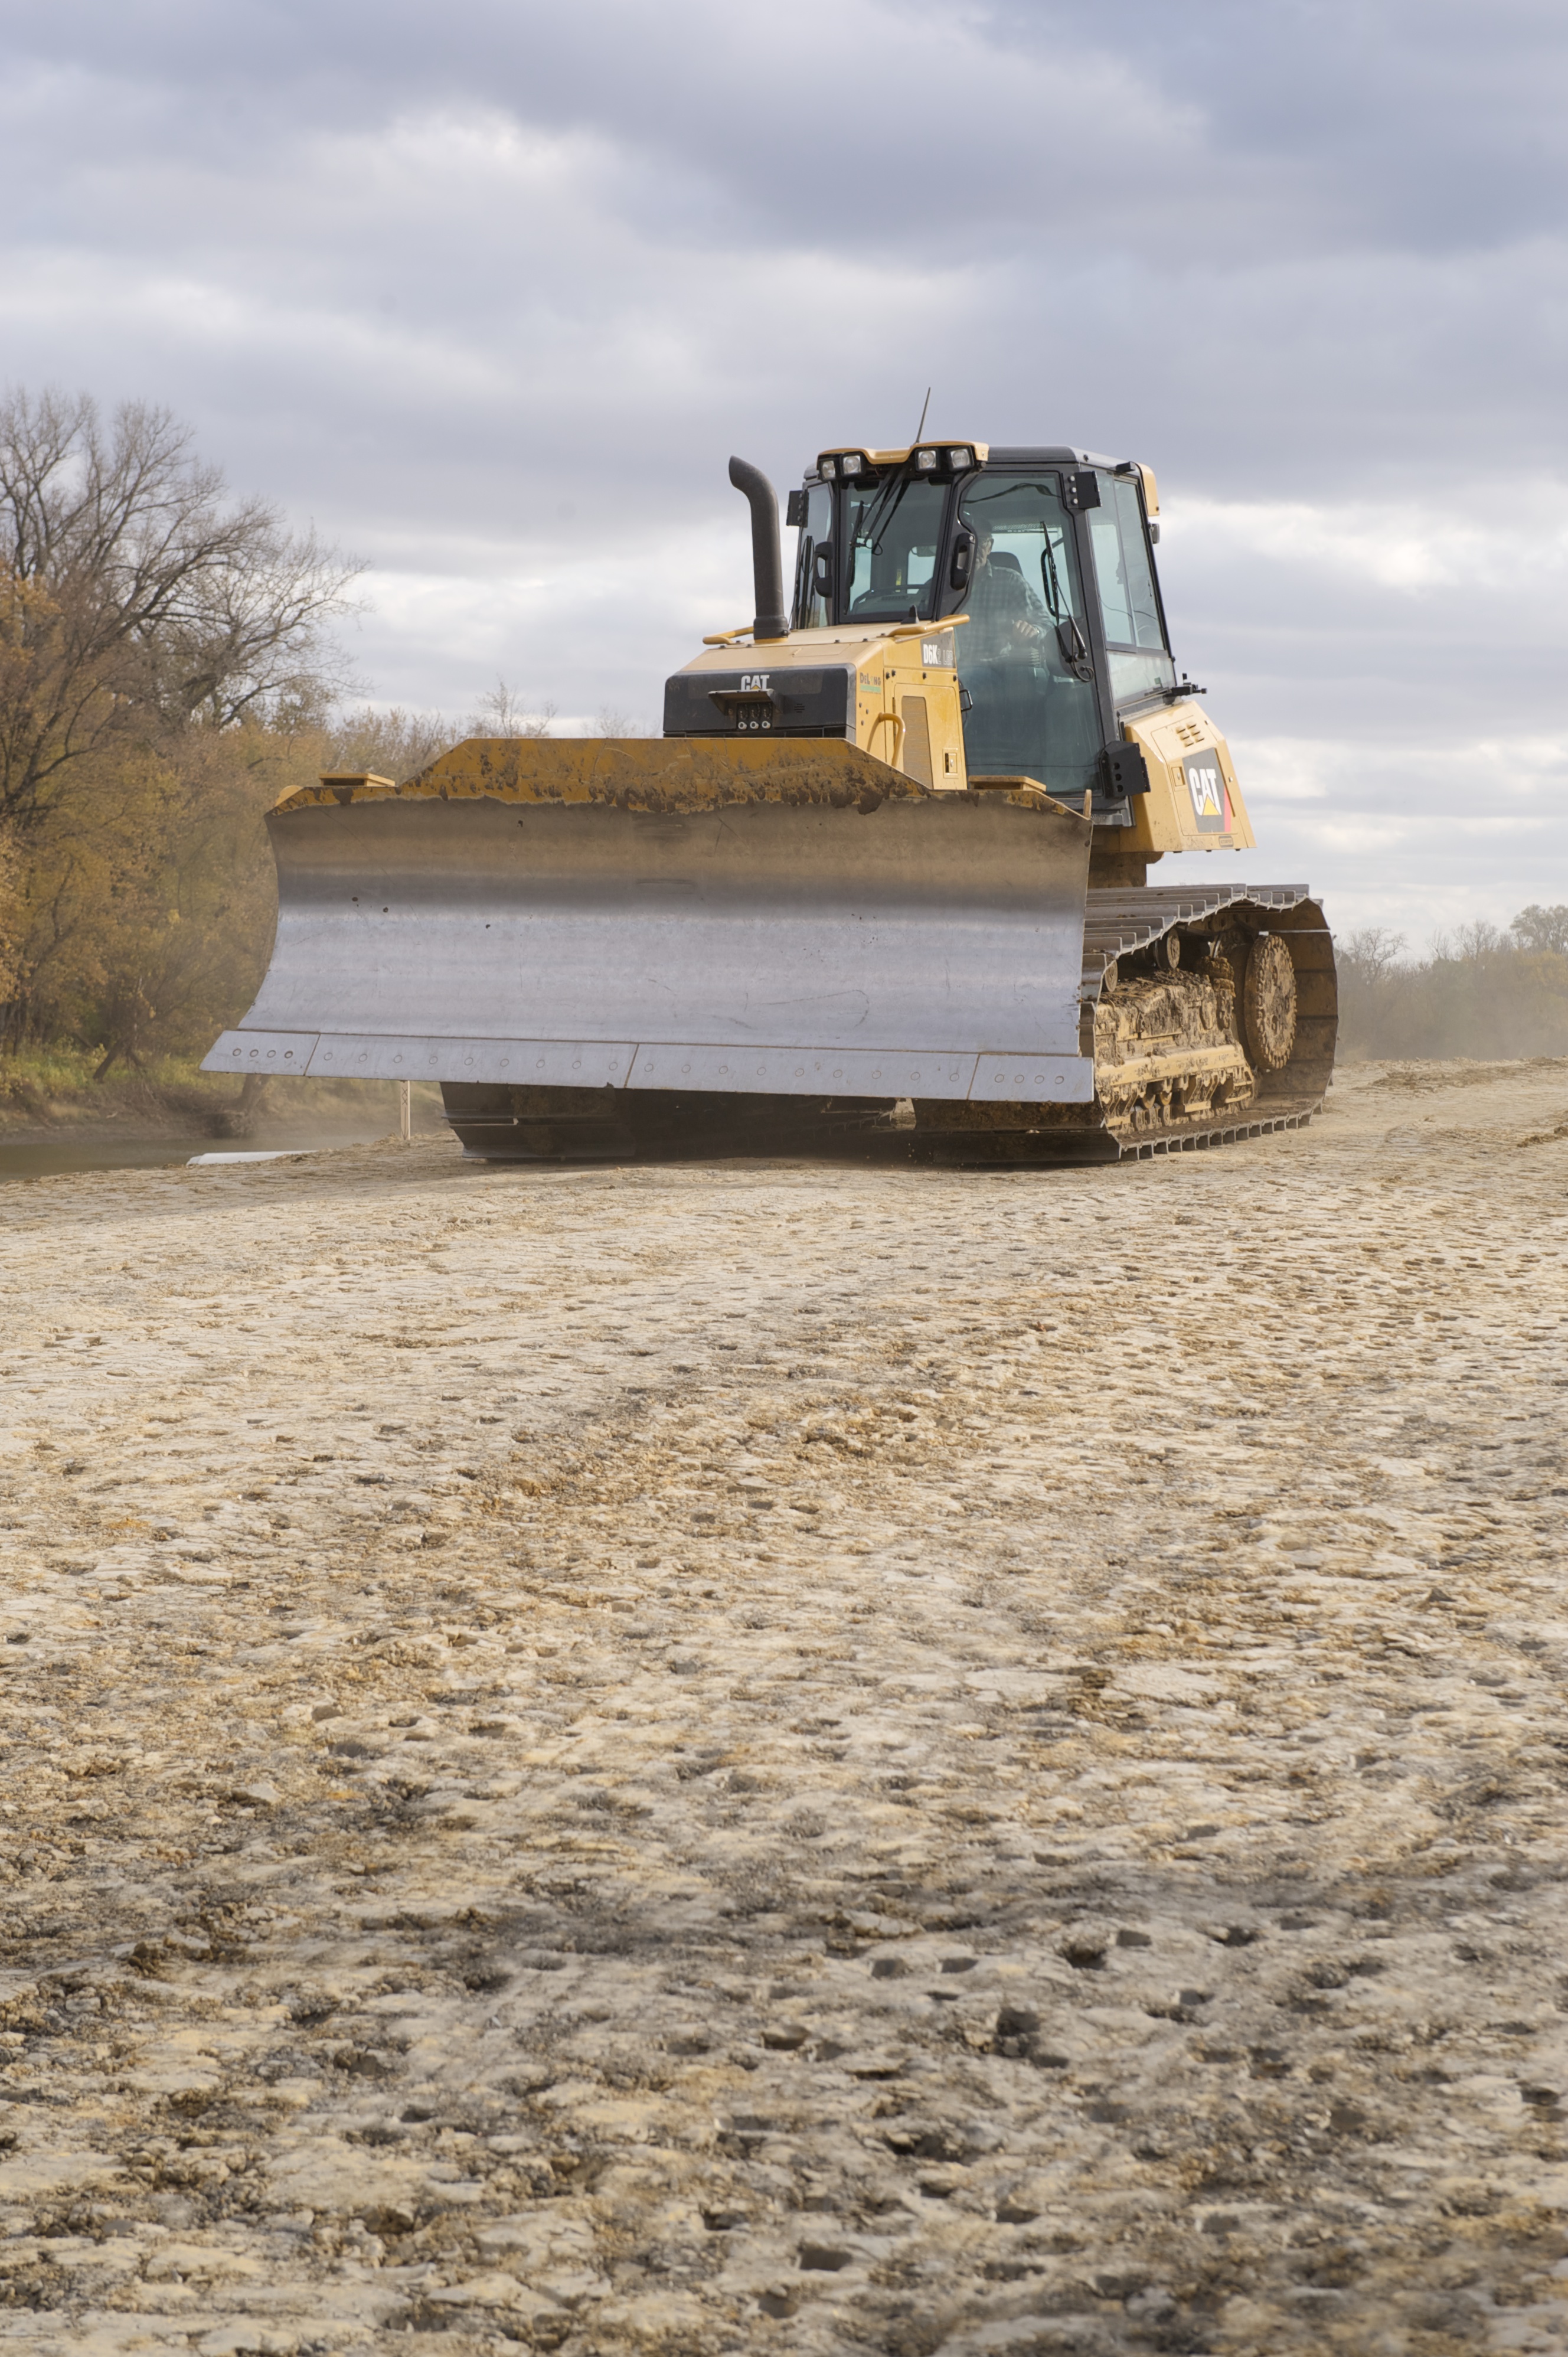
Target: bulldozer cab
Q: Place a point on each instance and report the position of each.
(1051, 555)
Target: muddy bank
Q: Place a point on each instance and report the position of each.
(695, 1759)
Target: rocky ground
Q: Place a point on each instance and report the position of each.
(683, 1760)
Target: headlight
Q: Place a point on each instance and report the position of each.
(926, 462)
(960, 460)
(828, 468)
(851, 462)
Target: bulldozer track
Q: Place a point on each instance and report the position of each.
(1117, 921)
(1120, 922)
(1189, 1142)
(1125, 925)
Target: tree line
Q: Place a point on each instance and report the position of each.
(168, 670)
(1484, 991)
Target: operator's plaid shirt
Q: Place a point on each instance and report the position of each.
(999, 598)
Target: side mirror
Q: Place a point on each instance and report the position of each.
(822, 570)
(961, 568)
(794, 510)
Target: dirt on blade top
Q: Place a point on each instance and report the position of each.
(688, 1759)
(662, 776)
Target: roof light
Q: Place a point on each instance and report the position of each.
(852, 462)
(959, 460)
(827, 468)
(925, 461)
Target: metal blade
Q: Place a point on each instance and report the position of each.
(795, 925)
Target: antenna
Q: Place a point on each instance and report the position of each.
(921, 427)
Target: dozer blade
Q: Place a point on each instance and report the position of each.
(788, 920)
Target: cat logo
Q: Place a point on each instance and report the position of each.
(754, 681)
(1205, 784)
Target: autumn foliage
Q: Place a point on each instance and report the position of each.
(164, 670)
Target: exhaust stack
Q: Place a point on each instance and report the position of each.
(766, 561)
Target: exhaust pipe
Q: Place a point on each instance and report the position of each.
(767, 563)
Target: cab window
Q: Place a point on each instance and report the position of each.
(1024, 656)
(1129, 604)
(813, 611)
(894, 533)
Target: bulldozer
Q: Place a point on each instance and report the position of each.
(881, 887)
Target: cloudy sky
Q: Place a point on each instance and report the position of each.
(490, 291)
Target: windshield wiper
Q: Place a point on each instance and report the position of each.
(875, 525)
(1050, 582)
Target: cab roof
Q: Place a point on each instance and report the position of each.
(1055, 454)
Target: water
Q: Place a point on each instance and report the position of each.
(53, 1157)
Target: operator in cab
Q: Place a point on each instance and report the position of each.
(1005, 617)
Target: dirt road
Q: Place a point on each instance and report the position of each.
(767, 1758)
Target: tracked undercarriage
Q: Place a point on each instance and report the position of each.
(1209, 1016)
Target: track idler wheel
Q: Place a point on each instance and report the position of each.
(1268, 1003)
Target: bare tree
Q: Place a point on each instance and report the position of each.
(610, 720)
(1370, 955)
(12, 916)
(503, 714)
(134, 595)
(395, 744)
(1469, 945)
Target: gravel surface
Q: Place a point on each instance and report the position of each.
(777, 1758)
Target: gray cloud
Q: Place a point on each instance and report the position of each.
(491, 292)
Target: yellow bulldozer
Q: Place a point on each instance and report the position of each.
(881, 886)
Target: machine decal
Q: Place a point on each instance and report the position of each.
(1205, 784)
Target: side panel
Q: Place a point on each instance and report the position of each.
(920, 688)
(832, 684)
(755, 695)
(1194, 803)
